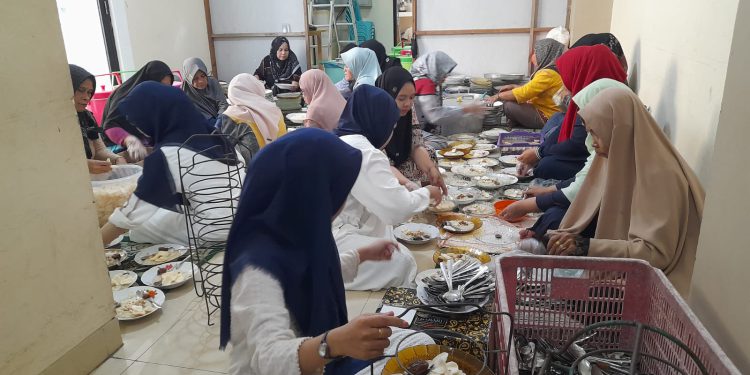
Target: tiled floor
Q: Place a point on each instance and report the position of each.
(177, 341)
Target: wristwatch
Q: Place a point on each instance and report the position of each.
(323, 350)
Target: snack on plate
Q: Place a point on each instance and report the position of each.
(479, 209)
(453, 152)
(417, 235)
(122, 280)
(445, 205)
(460, 225)
(464, 197)
(135, 307)
(113, 257)
(167, 276)
(165, 254)
(463, 146)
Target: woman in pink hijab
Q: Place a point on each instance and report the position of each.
(324, 102)
(250, 119)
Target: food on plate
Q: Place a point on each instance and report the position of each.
(477, 154)
(464, 197)
(445, 205)
(513, 193)
(488, 181)
(484, 162)
(486, 147)
(123, 280)
(458, 182)
(447, 163)
(113, 257)
(484, 196)
(470, 170)
(135, 307)
(164, 254)
(167, 275)
(511, 171)
(479, 209)
(453, 152)
(459, 225)
(419, 367)
(463, 146)
(417, 235)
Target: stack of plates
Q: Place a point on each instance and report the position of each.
(480, 85)
(455, 80)
(289, 101)
(493, 118)
(456, 89)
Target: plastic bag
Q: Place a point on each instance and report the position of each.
(113, 189)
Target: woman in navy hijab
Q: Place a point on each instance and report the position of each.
(283, 305)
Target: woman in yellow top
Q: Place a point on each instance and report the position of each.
(251, 120)
(531, 105)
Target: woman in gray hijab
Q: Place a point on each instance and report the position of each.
(429, 71)
(204, 91)
(531, 105)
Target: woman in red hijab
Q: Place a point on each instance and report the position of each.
(581, 66)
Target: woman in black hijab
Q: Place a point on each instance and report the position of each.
(280, 66)
(116, 127)
(99, 158)
(608, 40)
(384, 60)
(412, 162)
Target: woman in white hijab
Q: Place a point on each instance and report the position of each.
(251, 119)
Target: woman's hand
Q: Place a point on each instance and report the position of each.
(491, 99)
(436, 179)
(379, 250)
(99, 166)
(436, 194)
(136, 149)
(529, 157)
(508, 87)
(565, 244)
(519, 209)
(121, 161)
(539, 191)
(526, 233)
(364, 337)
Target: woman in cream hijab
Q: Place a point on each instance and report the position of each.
(650, 206)
(324, 103)
(251, 119)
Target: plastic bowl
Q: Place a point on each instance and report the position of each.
(502, 205)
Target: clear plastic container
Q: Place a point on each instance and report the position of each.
(113, 189)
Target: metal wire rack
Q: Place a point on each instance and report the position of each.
(211, 188)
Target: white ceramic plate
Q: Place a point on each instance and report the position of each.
(511, 171)
(149, 277)
(125, 279)
(484, 141)
(116, 241)
(450, 163)
(416, 234)
(297, 117)
(110, 261)
(476, 154)
(181, 250)
(509, 160)
(486, 147)
(284, 86)
(514, 193)
(459, 182)
(485, 196)
(122, 295)
(492, 134)
(446, 205)
(470, 170)
(495, 181)
(464, 137)
(479, 209)
(484, 162)
(464, 196)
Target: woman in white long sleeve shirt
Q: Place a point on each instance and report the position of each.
(377, 200)
(283, 305)
(153, 212)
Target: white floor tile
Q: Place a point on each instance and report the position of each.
(112, 366)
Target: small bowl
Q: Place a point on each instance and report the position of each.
(502, 205)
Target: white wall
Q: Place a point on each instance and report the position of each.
(720, 294)
(243, 55)
(381, 14)
(479, 54)
(589, 17)
(166, 30)
(54, 284)
(678, 53)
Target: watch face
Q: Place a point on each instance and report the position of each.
(322, 349)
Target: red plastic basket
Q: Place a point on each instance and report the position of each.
(554, 297)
